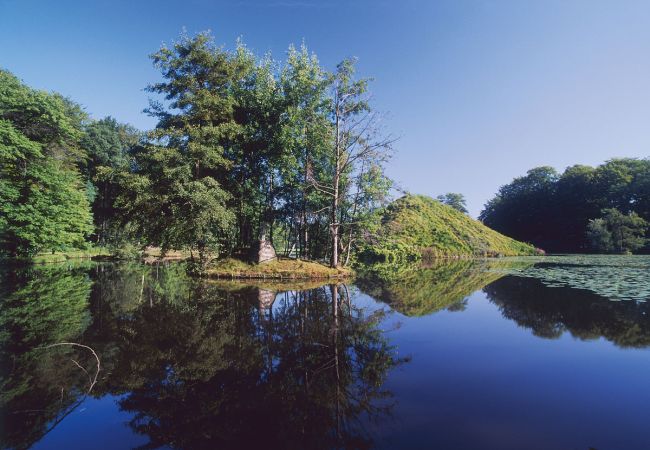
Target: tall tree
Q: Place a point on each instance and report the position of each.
(356, 140)
(43, 203)
(176, 195)
(255, 156)
(305, 134)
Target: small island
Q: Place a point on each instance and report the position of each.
(279, 269)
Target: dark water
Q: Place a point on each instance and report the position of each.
(521, 354)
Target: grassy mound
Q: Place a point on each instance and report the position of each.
(277, 269)
(416, 226)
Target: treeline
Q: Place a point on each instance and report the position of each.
(584, 209)
(245, 148)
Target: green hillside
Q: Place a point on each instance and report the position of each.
(418, 227)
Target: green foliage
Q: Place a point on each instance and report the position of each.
(47, 119)
(44, 209)
(43, 201)
(174, 197)
(553, 210)
(455, 200)
(417, 226)
(244, 149)
(599, 236)
(616, 232)
(306, 137)
(108, 145)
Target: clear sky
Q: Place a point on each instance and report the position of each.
(479, 91)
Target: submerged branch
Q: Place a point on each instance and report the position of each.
(92, 381)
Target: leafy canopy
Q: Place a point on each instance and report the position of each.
(43, 202)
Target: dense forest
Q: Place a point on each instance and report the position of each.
(602, 209)
(245, 148)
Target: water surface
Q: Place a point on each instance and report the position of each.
(509, 354)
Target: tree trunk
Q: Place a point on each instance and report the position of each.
(334, 226)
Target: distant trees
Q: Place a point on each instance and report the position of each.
(616, 232)
(553, 210)
(455, 200)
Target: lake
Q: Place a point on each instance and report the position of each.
(534, 353)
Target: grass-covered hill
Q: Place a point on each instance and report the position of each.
(417, 226)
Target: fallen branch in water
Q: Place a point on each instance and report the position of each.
(92, 381)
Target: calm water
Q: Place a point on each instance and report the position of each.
(546, 353)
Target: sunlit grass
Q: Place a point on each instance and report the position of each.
(281, 269)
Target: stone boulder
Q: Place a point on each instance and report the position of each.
(263, 251)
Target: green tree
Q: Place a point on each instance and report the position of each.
(108, 145)
(254, 179)
(599, 236)
(43, 202)
(305, 134)
(522, 208)
(357, 141)
(455, 200)
(176, 196)
(553, 210)
(617, 232)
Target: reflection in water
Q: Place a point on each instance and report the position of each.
(233, 365)
(550, 311)
(444, 284)
(197, 365)
(530, 298)
(47, 306)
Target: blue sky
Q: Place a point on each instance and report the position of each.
(478, 91)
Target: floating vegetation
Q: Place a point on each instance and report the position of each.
(619, 277)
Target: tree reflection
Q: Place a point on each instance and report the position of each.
(551, 311)
(41, 385)
(198, 366)
(297, 374)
